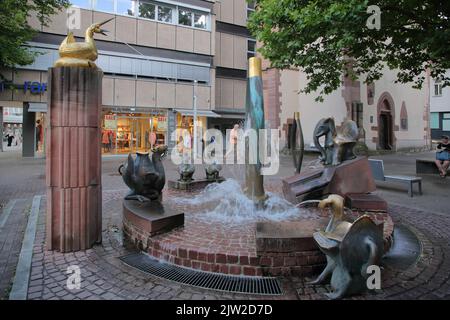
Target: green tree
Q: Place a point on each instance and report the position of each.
(15, 30)
(329, 39)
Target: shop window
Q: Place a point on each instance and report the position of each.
(147, 10)
(164, 14)
(434, 120)
(446, 122)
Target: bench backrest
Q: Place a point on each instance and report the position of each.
(377, 168)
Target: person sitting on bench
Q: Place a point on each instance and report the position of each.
(443, 156)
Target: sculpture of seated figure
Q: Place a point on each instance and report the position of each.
(339, 144)
(350, 249)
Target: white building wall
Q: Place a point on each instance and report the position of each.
(440, 103)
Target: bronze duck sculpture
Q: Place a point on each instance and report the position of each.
(80, 54)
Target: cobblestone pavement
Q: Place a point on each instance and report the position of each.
(105, 277)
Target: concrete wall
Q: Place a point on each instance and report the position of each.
(231, 11)
(231, 51)
(135, 31)
(230, 94)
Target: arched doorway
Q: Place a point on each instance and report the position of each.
(386, 138)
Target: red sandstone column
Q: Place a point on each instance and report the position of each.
(73, 168)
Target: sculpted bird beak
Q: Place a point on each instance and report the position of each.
(106, 21)
(103, 31)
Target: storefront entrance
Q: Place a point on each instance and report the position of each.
(131, 133)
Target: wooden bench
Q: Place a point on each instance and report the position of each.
(377, 168)
(427, 166)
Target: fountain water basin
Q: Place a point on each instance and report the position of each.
(223, 232)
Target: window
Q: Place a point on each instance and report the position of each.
(104, 5)
(250, 8)
(200, 20)
(147, 10)
(434, 120)
(126, 7)
(85, 4)
(438, 89)
(446, 122)
(251, 48)
(164, 14)
(184, 17)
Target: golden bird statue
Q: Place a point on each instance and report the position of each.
(80, 54)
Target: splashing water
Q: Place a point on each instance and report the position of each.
(226, 202)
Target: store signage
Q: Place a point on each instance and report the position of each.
(34, 87)
(110, 122)
(161, 124)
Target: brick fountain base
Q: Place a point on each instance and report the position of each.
(249, 248)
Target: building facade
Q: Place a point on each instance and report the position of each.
(159, 58)
(390, 116)
(440, 109)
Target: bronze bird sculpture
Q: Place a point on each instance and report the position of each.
(80, 54)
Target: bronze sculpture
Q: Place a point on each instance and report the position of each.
(297, 143)
(350, 249)
(144, 176)
(80, 54)
(213, 171)
(339, 144)
(186, 171)
(254, 110)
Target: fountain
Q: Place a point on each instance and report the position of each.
(249, 228)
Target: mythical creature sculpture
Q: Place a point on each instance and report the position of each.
(213, 171)
(144, 176)
(338, 145)
(350, 249)
(186, 171)
(80, 54)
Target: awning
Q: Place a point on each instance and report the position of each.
(200, 113)
(37, 107)
(232, 115)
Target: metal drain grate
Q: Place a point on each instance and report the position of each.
(208, 280)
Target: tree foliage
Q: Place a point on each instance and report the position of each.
(15, 30)
(327, 39)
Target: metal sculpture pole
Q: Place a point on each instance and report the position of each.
(297, 143)
(254, 181)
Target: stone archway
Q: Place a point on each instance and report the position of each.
(386, 122)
